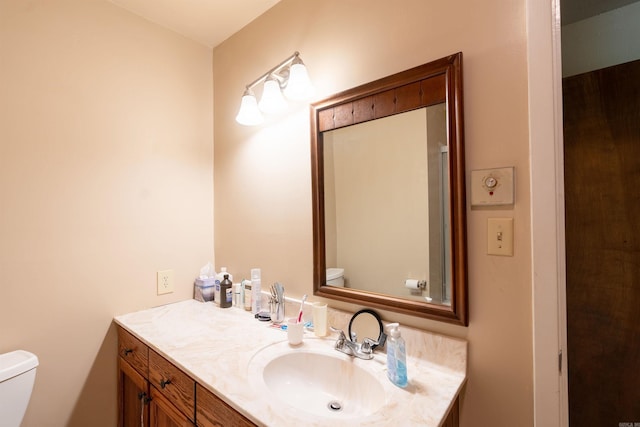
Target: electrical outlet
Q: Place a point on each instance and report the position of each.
(165, 282)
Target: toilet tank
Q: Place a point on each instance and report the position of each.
(335, 277)
(17, 376)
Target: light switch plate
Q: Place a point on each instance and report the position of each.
(492, 187)
(165, 282)
(500, 236)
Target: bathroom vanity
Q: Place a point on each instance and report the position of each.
(194, 364)
(154, 392)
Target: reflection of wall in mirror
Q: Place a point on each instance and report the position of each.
(377, 202)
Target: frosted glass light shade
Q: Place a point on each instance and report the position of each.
(249, 114)
(299, 86)
(272, 100)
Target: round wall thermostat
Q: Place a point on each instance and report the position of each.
(490, 182)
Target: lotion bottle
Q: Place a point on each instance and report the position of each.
(396, 356)
(247, 294)
(256, 292)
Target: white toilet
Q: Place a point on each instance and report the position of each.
(17, 375)
(335, 277)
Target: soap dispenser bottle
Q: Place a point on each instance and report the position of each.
(396, 356)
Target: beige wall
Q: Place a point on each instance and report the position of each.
(262, 175)
(105, 177)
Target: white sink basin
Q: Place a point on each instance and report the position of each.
(319, 382)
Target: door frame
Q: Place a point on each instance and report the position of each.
(550, 394)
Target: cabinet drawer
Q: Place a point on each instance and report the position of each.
(174, 384)
(211, 411)
(134, 351)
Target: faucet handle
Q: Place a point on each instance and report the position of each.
(342, 336)
(342, 344)
(368, 343)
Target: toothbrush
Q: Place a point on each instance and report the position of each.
(304, 298)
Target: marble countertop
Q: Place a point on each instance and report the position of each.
(216, 346)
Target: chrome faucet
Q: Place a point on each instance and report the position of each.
(352, 347)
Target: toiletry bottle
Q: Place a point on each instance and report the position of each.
(256, 292)
(396, 356)
(226, 292)
(223, 271)
(217, 297)
(237, 294)
(247, 295)
(216, 289)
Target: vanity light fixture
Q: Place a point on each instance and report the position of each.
(290, 77)
(249, 114)
(272, 101)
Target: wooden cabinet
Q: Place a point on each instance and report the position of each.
(153, 392)
(452, 416)
(133, 387)
(140, 403)
(176, 386)
(133, 396)
(211, 411)
(163, 414)
(134, 352)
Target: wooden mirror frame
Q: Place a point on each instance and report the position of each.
(432, 83)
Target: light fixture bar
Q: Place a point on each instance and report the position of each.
(273, 71)
(289, 76)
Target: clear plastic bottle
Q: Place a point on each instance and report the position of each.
(396, 356)
(256, 292)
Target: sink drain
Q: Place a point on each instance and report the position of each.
(334, 406)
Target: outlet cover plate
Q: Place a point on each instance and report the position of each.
(165, 282)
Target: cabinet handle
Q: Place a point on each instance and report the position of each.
(164, 383)
(127, 351)
(143, 400)
(142, 396)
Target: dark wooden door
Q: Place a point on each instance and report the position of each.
(602, 199)
(133, 394)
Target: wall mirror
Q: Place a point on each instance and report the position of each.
(388, 184)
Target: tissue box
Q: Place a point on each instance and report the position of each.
(203, 289)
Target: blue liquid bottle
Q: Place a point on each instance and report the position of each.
(396, 356)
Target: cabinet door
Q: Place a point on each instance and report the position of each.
(213, 412)
(176, 386)
(163, 414)
(133, 396)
